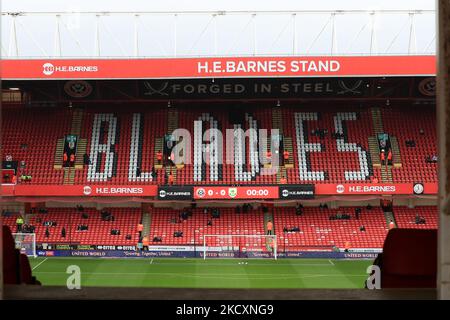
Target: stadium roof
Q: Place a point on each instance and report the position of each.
(170, 34)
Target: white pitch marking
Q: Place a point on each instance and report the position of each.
(39, 264)
(214, 276)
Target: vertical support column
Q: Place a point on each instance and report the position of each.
(443, 120)
(175, 18)
(13, 46)
(216, 41)
(294, 34)
(255, 50)
(333, 34)
(412, 42)
(136, 35)
(97, 36)
(373, 39)
(57, 37)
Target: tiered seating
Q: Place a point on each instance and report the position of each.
(102, 147)
(10, 221)
(406, 217)
(31, 135)
(407, 127)
(98, 233)
(201, 125)
(134, 136)
(165, 222)
(240, 155)
(316, 230)
(121, 141)
(245, 164)
(303, 148)
(327, 159)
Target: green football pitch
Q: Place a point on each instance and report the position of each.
(198, 273)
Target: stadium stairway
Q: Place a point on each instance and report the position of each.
(277, 119)
(173, 171)
(289, 163)
(277, 123)
(390, 216)
(172, 125)
(281, 173)
(69, 175)
(374, 152)
(268, 165)
(396, 158)
(172, 121)
(57, 164)
(158, 148)
(377, 121)
(374, 149)
(146, 222)
(69, 172)
(378, 127)
(77, 118)
(81, 150)
(386, 174)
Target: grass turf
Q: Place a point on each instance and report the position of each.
(198, 273)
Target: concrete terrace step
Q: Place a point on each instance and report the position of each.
(396, 157)
(58, 162)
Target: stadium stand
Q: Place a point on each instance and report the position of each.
(316, 229)
(407, 217)
(313, 152)
(165, 222)
(132, 139)
(145, 128)
(316, 226)
(98, 231)
(28, 137)
(420, 127)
